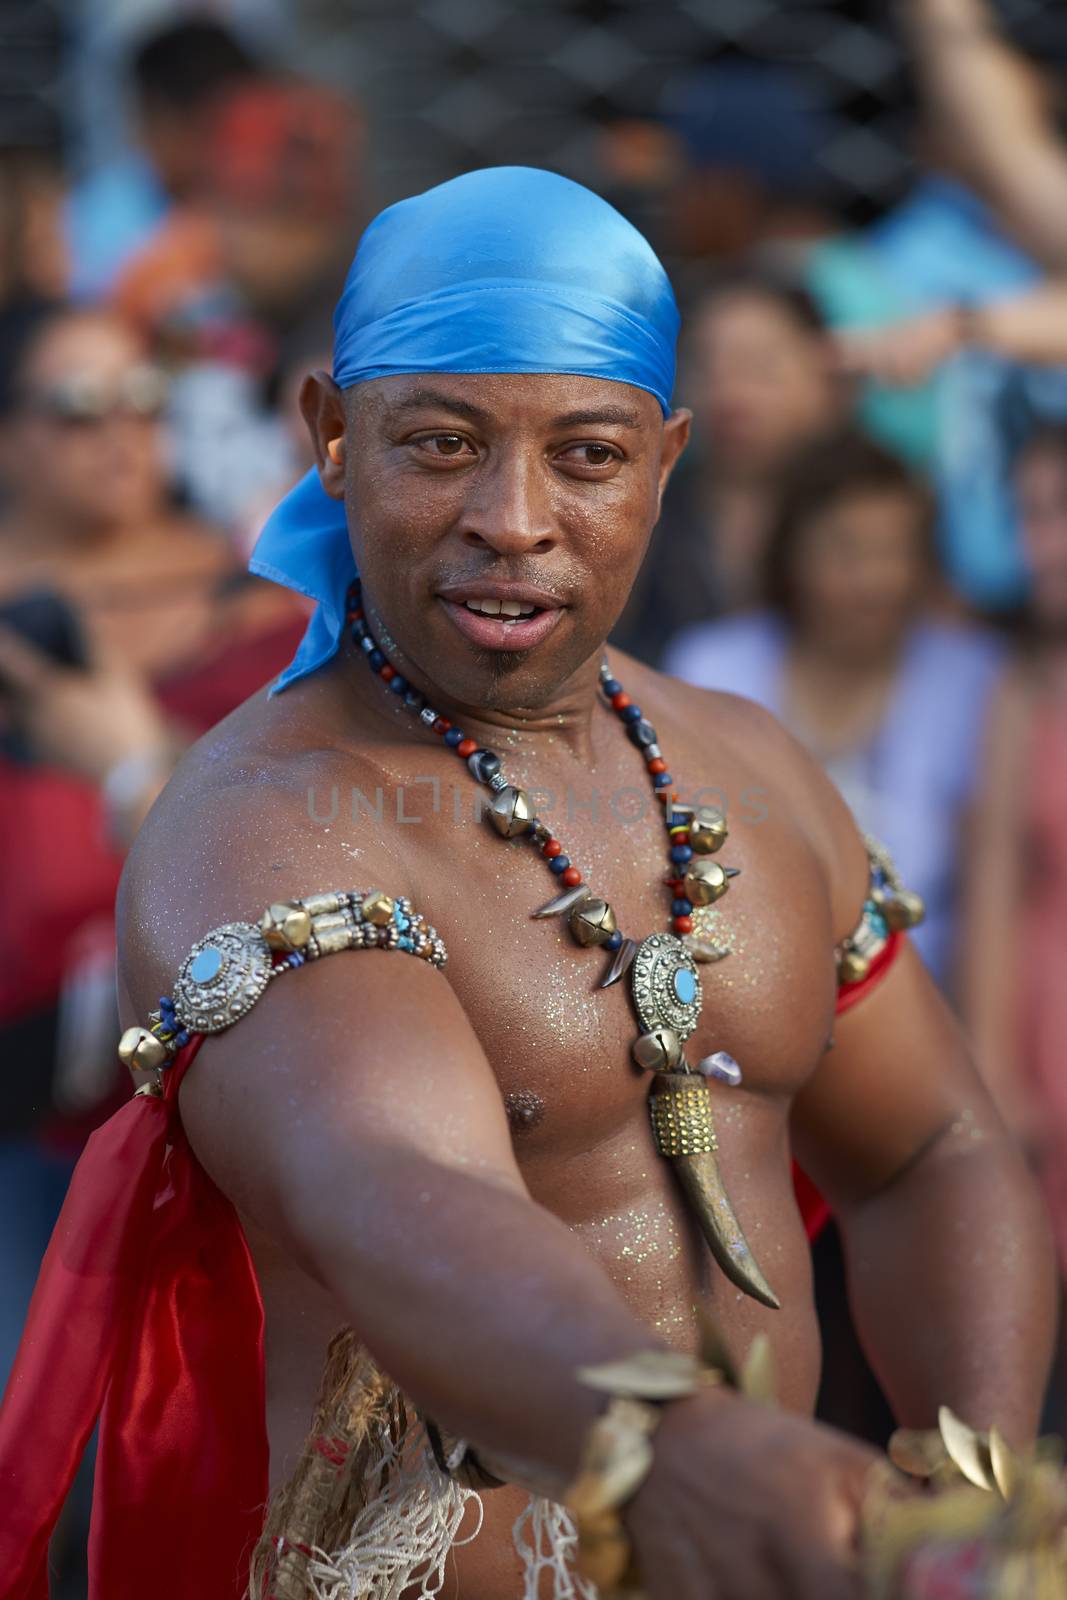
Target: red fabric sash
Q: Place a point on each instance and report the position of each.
(147, 1313)
(849, 993)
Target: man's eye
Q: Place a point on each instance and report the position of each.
(444, 444)
(592, 455)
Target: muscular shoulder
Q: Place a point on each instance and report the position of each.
(760, 747)
(241, 824)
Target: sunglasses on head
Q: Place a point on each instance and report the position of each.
(86, 397)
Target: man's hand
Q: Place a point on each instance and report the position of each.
(744, 1502)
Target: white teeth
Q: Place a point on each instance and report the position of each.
(501, 608)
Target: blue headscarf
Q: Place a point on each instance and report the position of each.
(509, 269)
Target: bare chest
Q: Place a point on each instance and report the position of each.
(559, 1042)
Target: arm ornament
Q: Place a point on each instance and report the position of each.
(228, 970)
(866, 954)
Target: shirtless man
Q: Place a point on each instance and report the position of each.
(460, 1163)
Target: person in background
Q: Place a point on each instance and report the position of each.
(125, 631)
(308, 349)
(758, 375)
(735, 170)
(34, 259)
(222, 288)
(1017, 157)
(848, 654)
(969, 250)
(177, 76)
(892, 703)
(1014, 995)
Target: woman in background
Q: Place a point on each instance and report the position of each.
(893, 703)
(848, 654)
(126, 630)
(758, 374)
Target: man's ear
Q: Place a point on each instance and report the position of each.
(675, 438)
(322, 406)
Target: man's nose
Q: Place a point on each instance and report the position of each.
(509, 507)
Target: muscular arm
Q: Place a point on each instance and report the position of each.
(353, 1115)
(950, 1268)
(967, 68)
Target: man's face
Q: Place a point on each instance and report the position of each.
(498, 522)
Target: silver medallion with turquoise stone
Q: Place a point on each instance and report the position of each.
(666, 986)
(222, 977)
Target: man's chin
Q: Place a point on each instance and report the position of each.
(501, 680)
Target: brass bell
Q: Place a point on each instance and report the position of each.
(378, 908)
(707, 831)
(285, 926)
(705, 882)
(593, 922)
(903, 909)
(851, 966)
(141, 1051)
(657, 1051)
(510, 812)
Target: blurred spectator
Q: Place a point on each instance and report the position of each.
(957, 250)
(1015, 996)
(177, 76)
(891, 702)
(750, 135)
(308, 349)
(233, 272)
(33, 251)
(733, 172)
(757, 373)
(997, 110)
(125, 631)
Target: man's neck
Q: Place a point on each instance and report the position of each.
(568, 724)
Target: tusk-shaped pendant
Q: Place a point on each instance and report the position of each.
(681, 1118)
(622, 963)
(564, 902)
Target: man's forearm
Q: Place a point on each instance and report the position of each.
(477, 1302)
(952, 1284)
(966, 68)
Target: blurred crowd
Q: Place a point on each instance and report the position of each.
(869, 534)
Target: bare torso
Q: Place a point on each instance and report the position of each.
(559, 1045)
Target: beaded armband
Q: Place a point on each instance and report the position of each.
(889, 908)
(227, 971)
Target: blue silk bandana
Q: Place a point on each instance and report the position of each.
(509, 269)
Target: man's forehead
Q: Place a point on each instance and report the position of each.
(532, 398)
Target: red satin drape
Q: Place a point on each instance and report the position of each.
(147, 1313)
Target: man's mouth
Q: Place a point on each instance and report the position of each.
(501, 616)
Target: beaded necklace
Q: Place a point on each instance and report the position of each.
(664, 981)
